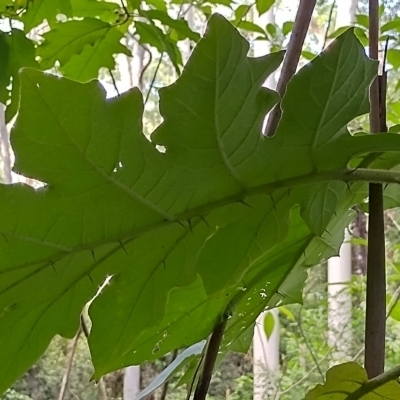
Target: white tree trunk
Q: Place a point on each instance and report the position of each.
(132, 75)
(345, 12)
(265, 358)
(339, 268)
(265, 351)
(5, 147)
(339, 302)
(131, 382)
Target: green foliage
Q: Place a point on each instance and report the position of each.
(224, 219)
(71, 41)
(345, 379)
(17, 52)
(113, 201)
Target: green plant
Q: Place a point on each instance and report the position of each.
(208, 233)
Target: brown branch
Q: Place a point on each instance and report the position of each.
(375, 322)
(292, 57)
(209, 360)
(71, 353)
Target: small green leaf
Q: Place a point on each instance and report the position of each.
(285, 311)
(287, 27)
(180, 25)
(241, 12)
(269, 324)
(251, 27)
(395, 128)
(362, 20)
(361, 36)
(271, 29)
(308, 55)
(394, 24)
(154, 36)
(395, 311)
(393, 57)
(264, 5)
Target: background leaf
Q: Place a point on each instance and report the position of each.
(269, 324)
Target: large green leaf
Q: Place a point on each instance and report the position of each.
(210, 224)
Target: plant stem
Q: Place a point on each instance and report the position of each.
(301, 24)
(71, 353)
(375, 322)
(209, 360)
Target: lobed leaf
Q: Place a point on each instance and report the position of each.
(221, 220)
(344, 379)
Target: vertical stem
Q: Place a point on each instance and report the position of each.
(209, 361)
(71, 353)
(375, 323)
(301, 24)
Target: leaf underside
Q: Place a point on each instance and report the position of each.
(209, 224)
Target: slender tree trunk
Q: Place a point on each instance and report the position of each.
(265, 351)
(135, 68)
(131, 382)
(340, 268)
(339, 302)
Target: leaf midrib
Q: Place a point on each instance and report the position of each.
(198, 212)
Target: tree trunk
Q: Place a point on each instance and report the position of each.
(5, 147)
(131, 382)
